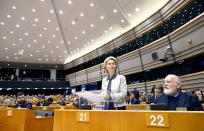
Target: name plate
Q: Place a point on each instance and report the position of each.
(83, 116)
(157, 120)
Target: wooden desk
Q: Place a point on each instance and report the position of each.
(67, 120)
(52, 108)
(23, 120)
(136, 106)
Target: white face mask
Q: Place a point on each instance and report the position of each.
(170, 91)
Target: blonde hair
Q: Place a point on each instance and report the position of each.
(106, 61)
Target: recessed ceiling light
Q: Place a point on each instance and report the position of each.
(102, 17)
(39, 59)
(53, 36)
(2, 23)
(91, 4)
(83, 32)
(29, 45)
(51, 52)
(34, 25)
(111, 28)
(26, 34)
(92, 25)
(75, 38)
(48, 41)
(20, 39)
(115, 11)
(15, 53)
(46, 59)
(57, 47)
(43, 46)
(25, 65)
(37, 51)
(45, 55)
(60, 56)
(34, 41)
(69, 42)
(48, 21)
(13, 7)
(40, 35)
(129, 15)
(11, 32)
(137, 9)
(84, 44)
(81, 14)
(7, 57)
(33, 10)
(31, 54)
(77, 48)
(8, 16)
(22, 18)
(106, 31)
(65, 52)
(6, 48)
(51, 11)
(42, 0)
(70, 2)
(61, 12)
(73, 23)
(122, 21)
(13, 44)
(16, 57)
(62, 41)
(57, 28)
(36, 20)
(92, 40)
(4, 37)
(44, 28)
(17, 26)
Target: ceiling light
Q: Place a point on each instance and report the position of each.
(57, 28)
(51, 52)
(13, 44)
(17, 26)
(65, 52)
(20, 39)
(77, 48)
(37, 51)
(92, 25)
(43, 46)
(44, 28)
(70, 2)
(91, 4)
(57, 47)
(92, 40)
(61, 12)
(75, 38)
(48, 41)
(106, 31)
(137, 9)
(36, 20)
(51, 11)
(33, 10)
(6, 48)
(8, 16)
(81, 14)
(40, 35)
(61, 41)
(84, 44)
(115, 11)
(46, 59)
(111, 28)
(26, 34)
(13, 7)
(53, 36)
(45, 55)
(11, 32)
(8, 64)
(83, 32)
(48, 21)
(4, 37)
(34, 41)
(73, 22)
(34, 25)
(39, 59)
(60, 56)
(15, 53)
(29, 45)
(2, 23)
(22, 18)
(31, 55)
(16, 57)
(7, 57)
(129, 15)
(25, 65)
(122, 21)
(102, 17)
(68, 42)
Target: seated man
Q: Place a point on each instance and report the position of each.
(157, 92)
(173, 97)
(42, 102)
(21, 102)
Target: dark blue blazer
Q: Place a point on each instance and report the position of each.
(23, 104)
(183, 100)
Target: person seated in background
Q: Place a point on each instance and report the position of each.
(80, 101)
(62, 102)
(127, 98)
(144, 97)
(173, 97)
(21, 102)
(157, 92)
(42, 102)
(199, 94)
(134, 97)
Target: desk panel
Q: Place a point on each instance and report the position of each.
(66, 120)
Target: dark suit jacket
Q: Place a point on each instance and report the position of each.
(23, 104)
(183, 100)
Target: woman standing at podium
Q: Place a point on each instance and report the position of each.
(114, 87)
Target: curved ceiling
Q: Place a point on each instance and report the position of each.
(59, 31)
